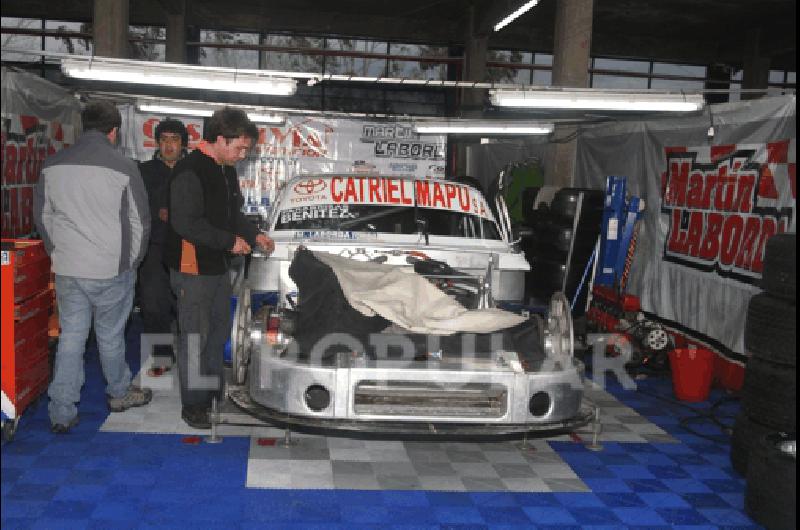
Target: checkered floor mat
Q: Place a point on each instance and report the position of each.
(322, 462)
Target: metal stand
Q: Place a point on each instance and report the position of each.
(287, 438)
(597, 428)
(214, 438)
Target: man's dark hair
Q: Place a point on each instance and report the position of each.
(171, 125)
(100, 116)
(229, 123)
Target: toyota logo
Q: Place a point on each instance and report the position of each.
(309, 186)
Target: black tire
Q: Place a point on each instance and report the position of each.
(779, 277)
(772, 483)
(746, 432)
(770, 394)
(771, 329)
(565, 202)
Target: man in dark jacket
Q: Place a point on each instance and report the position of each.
(206, 227)
(155, 295)
(91, 210)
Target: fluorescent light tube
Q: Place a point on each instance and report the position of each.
(182, 76)
(482, 127)
(597, 100)
(265, 118)
(516, 14)
(174, 111)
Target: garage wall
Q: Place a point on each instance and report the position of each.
(38, 119)
(711, 203)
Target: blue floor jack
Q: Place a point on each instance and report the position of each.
(611, 308)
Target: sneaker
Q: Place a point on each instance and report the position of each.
(196, 417)
(135, 397)
(61, 428)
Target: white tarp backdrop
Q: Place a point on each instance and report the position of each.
(38, 119)
(711, 203)
(306, 145)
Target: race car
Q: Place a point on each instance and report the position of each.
(389, 316)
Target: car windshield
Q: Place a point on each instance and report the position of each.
(386, 219)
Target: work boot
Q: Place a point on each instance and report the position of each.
(135, 397)
(196, 416)
(61, 428)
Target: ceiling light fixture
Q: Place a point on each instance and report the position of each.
(204, 112)
(178, 75)
(484, 127)
(513, 16)
(596, 99)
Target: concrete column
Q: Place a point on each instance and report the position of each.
(756, 67)
(571, 47)
(719, 77)
(110, 26)
(474, 69)
(176, 38)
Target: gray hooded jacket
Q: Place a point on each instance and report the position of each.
(90, 207)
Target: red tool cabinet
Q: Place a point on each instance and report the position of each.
(27, 302)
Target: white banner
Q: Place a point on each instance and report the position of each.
(311, 145)
(711, 204)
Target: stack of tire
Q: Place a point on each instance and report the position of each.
(564, 237)
(763, 443)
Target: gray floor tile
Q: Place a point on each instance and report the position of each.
(475, 469)
(526, 484)
(399, 482)
(567, 485)
(457, 455)
(515, 471)
(434, 469)
(355, 482)
(483, 484)
(352, 468)
(442, 484)
(394, 469)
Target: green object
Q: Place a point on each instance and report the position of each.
(522, 177)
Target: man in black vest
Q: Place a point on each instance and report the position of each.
(207, 226)
(155, 295)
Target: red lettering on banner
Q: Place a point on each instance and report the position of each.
(336, 195)
(694, 197)
(450, 191)
(374, 190)
(778, 152)
(438, 195)
(731, 237)
(350, 194)
(392, 189)
(710, 246)
(752, 228)
(422, 191)
(724, 208)
(463, 198)
(744, 199)
(768, 229)
(695, 235)
(677, 180)
(403, 198)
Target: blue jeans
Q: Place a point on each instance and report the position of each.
(110, 302)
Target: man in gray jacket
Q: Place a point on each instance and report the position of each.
(91, 211)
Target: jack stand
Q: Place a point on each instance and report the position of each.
(597, 428)
(214, 438)
(287, 439)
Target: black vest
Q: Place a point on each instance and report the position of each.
(222, 201)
